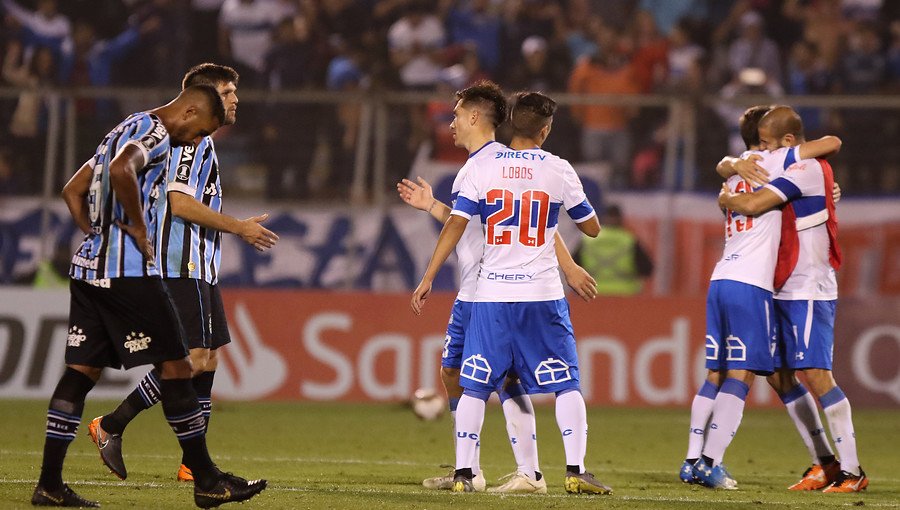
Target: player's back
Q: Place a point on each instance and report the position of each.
(751, 243)
(519, 195)
(803, 184)
(188, 250)
(109, 252)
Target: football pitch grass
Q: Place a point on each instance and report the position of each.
(370, 456)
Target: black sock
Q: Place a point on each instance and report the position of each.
(145, 396)
(824, 461)
(538, 475)
(691, 461)
(709, 462)
(183, 413)
(63, 417)
(203, 386)
(466, 472)
(573, 469)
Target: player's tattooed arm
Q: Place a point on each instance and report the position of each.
(75, 194)
(250, 230)
(123, 171)
(748, 169)
(820, 148)
(420, 196)
(580, 280)
(749, 204)
(450, 235)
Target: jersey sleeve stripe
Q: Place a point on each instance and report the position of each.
(140, 147)
(581, 212)
(465, 206)
(785, 189)
(181, 187)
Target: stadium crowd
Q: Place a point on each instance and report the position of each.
(681, 47)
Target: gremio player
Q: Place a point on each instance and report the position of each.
(121, 313)
(190, 226)
(517, 407)
(806, 302)
(520, 319)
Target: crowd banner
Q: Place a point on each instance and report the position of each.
(370, 347)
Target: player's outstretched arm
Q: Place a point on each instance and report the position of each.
(421, 197)
(749, 204)
(123, 171)
(748, 169)
(820, 148)
(75, 193)
(580, 280)
(450, 235)
(190, 209)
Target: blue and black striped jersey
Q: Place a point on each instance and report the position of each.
(187, 250)
(108, 251)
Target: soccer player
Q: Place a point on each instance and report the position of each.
(805, 304)
(517, 406)
(190, 225)
(520, 319)
(800, 406)
(121, 313)
(740, 336)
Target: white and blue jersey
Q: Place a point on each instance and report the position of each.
(520, 319)
(740, 316)
(805, 306)
(188, 250)
(109, 252)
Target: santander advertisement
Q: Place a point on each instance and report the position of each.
(364, 347)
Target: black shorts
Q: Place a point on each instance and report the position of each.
(202, 313)
(129, 322)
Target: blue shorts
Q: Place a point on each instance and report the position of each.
(534, 340)
(740, 327)
(805, 334)
(455, 338)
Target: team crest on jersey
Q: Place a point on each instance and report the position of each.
(156, 136)
(76, 336)
(183, 172)
(137, 342)
(551, 371)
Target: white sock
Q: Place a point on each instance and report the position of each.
(801, 407)
(522, 432)
(728, 409)
(469, 419)
(571, 416)
(840, 423)
(701, 410)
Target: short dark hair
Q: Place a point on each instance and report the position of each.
(531, 112)
(487, 96)
(209, 74)
(749, 124)
(213, 99)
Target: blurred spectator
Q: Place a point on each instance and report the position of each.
(863, 67)
(807, 74)
(667, 13)
(604, 133)
(748, 82)
(9, 184)
(28, 124)
(684, 56)
(204, 23)
(245, 33)
(539, 71)
(45, 26)
(893, 56)
(615, 258)
(472, 23)
(345, 73)
(823, 25)
(415, 43)
(650, 53)
(752, 49)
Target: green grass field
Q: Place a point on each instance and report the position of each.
(320, 456)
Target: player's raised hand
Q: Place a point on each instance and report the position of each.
(836, 192)
(139, 233)
(420, 295)
(581, 282)
(417, 195)
(751, 171)
(257, 235)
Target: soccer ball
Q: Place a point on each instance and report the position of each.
(427, 404)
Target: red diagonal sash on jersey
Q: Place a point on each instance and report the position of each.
(834, 250)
